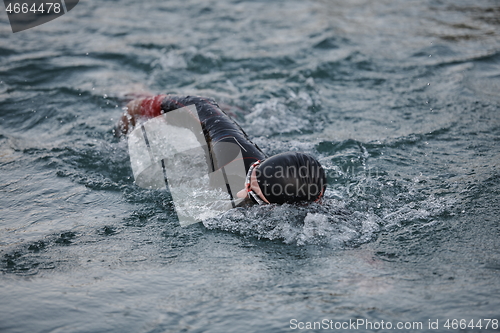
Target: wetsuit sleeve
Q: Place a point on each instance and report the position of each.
(217, 126)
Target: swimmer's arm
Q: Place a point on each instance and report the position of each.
(146, 107)
(150, 107)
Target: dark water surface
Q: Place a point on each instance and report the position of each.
(400, 101)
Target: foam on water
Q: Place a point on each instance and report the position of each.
(335, 222)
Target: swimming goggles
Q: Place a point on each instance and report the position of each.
(251, 194)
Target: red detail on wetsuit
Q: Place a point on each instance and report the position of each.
(151, 106)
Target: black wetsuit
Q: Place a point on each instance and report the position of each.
(283, 178)
(217, 126)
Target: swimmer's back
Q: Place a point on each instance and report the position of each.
(217, 125)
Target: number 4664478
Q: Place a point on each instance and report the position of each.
(463, 324)
(25, 8)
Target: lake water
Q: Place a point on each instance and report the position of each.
(399, 100)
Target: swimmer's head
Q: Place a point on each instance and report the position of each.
(291, 177)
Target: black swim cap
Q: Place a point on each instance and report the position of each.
(291, 177)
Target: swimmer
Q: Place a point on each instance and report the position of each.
(283, 178)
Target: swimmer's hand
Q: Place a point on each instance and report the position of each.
(145, 107)
(131, 113)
